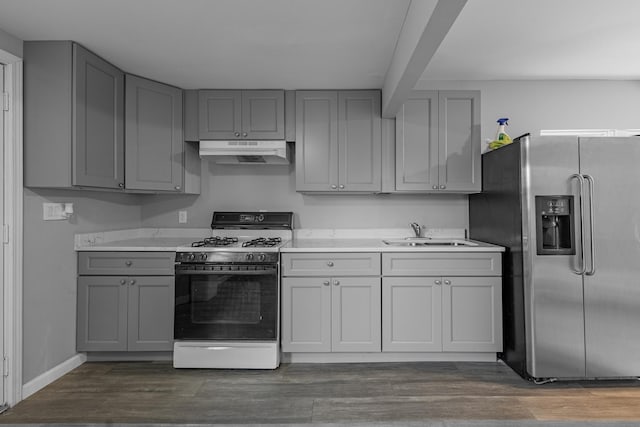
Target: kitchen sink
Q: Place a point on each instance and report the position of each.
(422, 241)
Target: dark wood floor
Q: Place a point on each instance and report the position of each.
(154, 392)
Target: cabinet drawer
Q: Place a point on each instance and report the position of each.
(442, 264)
(126, 263)
(331, 264)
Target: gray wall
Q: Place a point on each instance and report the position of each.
(531, 106)
(10, 44)
(242, 187)
(49, 294)
(567, 104)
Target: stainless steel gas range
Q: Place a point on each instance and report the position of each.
(227, 309)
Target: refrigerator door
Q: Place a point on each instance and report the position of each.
(612, 292)
(553, 292)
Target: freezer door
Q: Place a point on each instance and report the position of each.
(612, 292)
(553, 292)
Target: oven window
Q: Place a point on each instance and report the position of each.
(226, 306)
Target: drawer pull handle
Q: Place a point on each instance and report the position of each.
(128, 263)
(330, 263)
(437, 282)
(336, 282)
(326, 283)
(133, 282)
(447, 282)
(122, 281)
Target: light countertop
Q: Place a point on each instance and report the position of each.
(377, 245)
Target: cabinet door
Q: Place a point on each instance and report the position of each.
(220, 114)
(459, 141)
(154, 145)
(102, 313)
(417, 143)
(263, 114)
(412, 314)
(316, 141)
(306, 314)
(150, 313)
(98, 115)
(472, 314)
(360, 143)
(355, 318)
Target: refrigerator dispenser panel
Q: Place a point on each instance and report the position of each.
(554, 225)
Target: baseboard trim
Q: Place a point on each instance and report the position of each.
(52, 374)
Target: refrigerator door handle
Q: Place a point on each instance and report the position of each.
(580, 254)
(592, 249)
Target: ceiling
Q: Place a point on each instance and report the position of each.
(294, 44)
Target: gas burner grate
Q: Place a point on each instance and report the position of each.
(263, 242)
(215, 241)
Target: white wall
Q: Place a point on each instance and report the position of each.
(10, 44)
(49, 289)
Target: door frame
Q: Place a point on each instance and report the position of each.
(13, 215)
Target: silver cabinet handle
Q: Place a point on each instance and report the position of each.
(237, 134)
(437, 282)
(341, 186)
(330, 263)
(592, 249)
(333, 187)
(442, 187)
(245, 134)
(435, 187)
(177, 187)
(447, 282)
(122, 281)
(121, 185)
(336, 282)
(580, 254)
(132, 282)
(326, 283)
(128, 263)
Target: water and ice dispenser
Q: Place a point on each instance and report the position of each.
(555, 225)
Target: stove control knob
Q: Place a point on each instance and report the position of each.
(260, 218)
(203, 256)
(249, 257)
(192, 257)
(262, 257)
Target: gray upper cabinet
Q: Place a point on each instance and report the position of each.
(241, 114)
(73, 117)
(338, 141)
(154, 143)
(438, 142)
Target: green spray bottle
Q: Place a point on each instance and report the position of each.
(502, 138)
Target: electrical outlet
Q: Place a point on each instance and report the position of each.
(53, 211)
(182, 217)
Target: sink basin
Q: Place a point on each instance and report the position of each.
(423, 241)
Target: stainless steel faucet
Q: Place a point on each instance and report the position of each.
(416, 228)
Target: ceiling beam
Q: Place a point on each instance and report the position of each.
(425, 26)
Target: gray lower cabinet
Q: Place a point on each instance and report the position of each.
(438, 142)
(338, 141)
(73, 117)
(121, 311)
(155, 148)
(331, 302)
(241, 114)
(457, 312)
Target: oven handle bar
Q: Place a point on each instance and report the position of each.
(270, 272)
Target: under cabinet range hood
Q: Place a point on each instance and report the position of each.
(245, 152)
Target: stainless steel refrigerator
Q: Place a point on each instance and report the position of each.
(568, 210)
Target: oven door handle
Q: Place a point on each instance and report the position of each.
(270, 272)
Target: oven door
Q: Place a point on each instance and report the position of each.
(226, 302)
